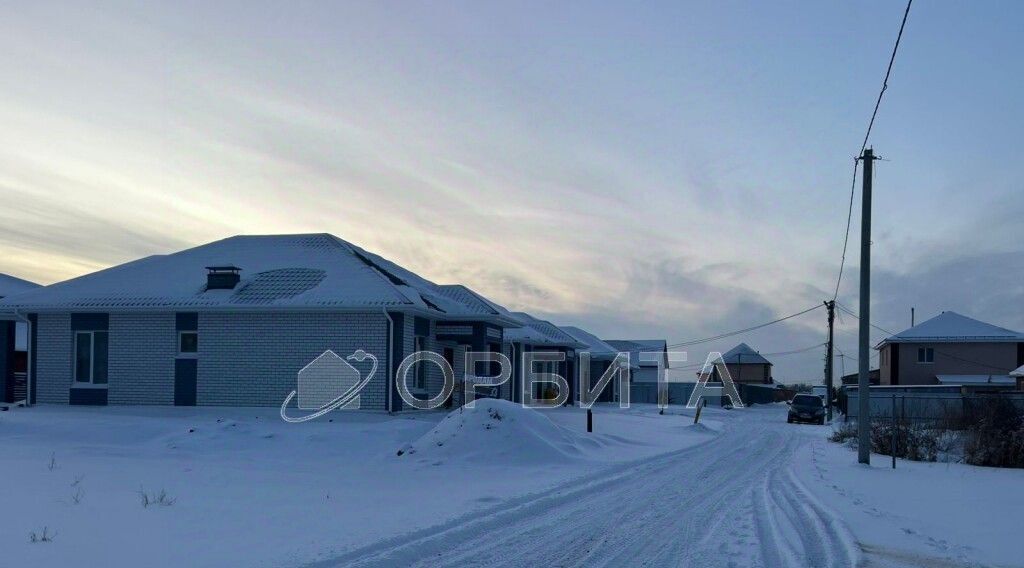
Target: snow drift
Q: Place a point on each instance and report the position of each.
(499, 431)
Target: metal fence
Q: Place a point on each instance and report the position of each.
(679, 393)
(908, 405)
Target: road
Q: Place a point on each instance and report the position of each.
(732, 502)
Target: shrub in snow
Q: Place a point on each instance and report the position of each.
(161, 498)
(45, 536)
(845, 434)
(997, 437)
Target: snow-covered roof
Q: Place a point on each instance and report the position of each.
(744, 354)
(1018, 372)
(976, 380)
(638, 346)
(310, 271)
(597, 348)
(951, 327)
(11, 285)
(540, 332)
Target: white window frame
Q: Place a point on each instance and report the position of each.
(90, 382)
(925, 351)
(187, 354)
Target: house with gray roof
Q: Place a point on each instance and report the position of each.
(601, 357)
(13, 345)
(745, 365)
(951, 349)
(233, 322)
(537, 335)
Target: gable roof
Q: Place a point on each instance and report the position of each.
(1018, 372)
(541, 332)
(309, 271)
(597, 348)
(11, 285)
(638, 346)
(951, 327)
(744, 354)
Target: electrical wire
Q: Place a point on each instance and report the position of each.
(744, 330)
(867, 135)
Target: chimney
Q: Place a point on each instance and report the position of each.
(222, 277)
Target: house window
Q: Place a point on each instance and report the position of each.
(188, 342)
(91, 357)
(925, 355)
(420, 381)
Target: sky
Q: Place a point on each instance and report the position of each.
(645, 170)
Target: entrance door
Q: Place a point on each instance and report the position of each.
(185, 373)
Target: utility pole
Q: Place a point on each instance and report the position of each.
(863, 358)
(831, 305)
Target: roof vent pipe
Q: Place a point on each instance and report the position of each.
(222, 277)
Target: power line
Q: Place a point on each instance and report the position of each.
(745, 330)
(694, 366)
(867, 135)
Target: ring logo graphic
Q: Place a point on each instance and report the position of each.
(321, 381)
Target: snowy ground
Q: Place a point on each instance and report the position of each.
(251, 490)
(493, 487)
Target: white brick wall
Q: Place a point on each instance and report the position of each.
(140, 367)
(53, 358)
(252, 359)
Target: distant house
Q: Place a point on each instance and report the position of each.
(13, 345)
(231, 323)
(853, 378)
(601, 356)
(537, 335)
(1018, 375)
(648, 369)
(950, 349)
(745, 365)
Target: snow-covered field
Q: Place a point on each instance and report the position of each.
(250, 489)
(494, 486)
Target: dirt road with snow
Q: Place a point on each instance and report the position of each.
(731, 502)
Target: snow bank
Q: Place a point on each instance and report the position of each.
(499, 431)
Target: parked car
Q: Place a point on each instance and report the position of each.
(806, 408)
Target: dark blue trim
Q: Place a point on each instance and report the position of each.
(186, 321)
(421, 326)
(34, 348)
(88, 397)
(186, 373)
(90, 322)
(396, 356)
(7, 337)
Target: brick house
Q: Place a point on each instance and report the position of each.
(13, 345)
(232, 322)
(949, 346)
(539, 335)
(745, 366)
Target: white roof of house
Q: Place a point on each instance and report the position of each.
(951, 327)
(744, 354)
(540, 332)
(11, 285)
(1018, 372)
(310, 271)
(597, 348)
(638, 346)
(976, 379)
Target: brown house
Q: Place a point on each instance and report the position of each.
(949, 346)
(745, 366)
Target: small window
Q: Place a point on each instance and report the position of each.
(925, 355)
(91, 348)
(420, 382)
(188, 342)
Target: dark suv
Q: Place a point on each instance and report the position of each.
(806, 408)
